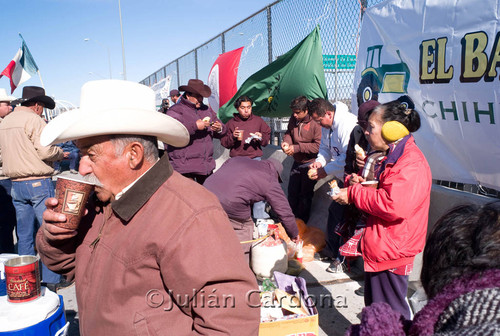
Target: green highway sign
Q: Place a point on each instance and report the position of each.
(343, 62)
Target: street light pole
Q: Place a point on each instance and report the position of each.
(123, 47)
(107, 50)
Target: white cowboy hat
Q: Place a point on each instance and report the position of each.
(4, 97)
(115, 107)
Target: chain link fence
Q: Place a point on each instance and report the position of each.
(276, 29)
(272, 32)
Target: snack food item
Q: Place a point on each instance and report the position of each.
(334, 188)
(312, 172)
(359, 151)
(206, 119)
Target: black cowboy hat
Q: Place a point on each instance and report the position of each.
(196, 86)
(36, 94)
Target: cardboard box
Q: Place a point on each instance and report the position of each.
(304, 326)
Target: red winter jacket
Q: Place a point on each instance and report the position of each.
(398, 210)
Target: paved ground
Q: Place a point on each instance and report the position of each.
(338, 306)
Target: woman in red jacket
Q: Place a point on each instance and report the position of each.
(397, 208)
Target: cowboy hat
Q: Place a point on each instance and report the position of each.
(197, 86)
(4, 97)
(36, 94)
(115, 107)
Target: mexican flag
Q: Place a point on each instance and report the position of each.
(299, 72)
(222, 78)
(21, 68)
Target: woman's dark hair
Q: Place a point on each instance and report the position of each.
(465, 241)
(402, 110)
(242, 99)
(299, 103)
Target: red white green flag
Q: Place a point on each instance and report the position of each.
(21, 68)
(222, 78)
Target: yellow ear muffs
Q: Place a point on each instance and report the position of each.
(394, 130)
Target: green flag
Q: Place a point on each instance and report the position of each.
(299, 72)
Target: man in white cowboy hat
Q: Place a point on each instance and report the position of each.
(149, 261)
(28, 165)
(7, 210)
(196, 160)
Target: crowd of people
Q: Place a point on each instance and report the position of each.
(169, 223)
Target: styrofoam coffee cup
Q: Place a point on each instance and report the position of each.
(370, 184)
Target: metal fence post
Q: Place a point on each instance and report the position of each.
(178, 76)
(269, 36)
(336, 53)
(196, 63)
(223, 42)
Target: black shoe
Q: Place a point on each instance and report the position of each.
(322, 257)
(54, 287)
(336, 267)
(360, 291)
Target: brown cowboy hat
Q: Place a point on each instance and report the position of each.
(196, 86)
(36, 94)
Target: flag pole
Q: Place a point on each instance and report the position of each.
(40, 76)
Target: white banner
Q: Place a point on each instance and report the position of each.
(162, 89)
(445, 54)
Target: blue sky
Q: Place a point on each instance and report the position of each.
(155, 33)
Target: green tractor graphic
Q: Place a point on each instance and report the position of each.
(385, 78)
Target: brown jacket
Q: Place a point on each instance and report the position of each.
(305, 136)
(161, 260)
(23, 156)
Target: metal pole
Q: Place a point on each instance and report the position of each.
(336, 53)
(269, 36)
(223, 42)
(178, 76)
(40, 76)
(123, 47)
(196, 63)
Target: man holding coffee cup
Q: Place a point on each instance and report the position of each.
(148, 259)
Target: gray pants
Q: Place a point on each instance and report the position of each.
(244, 232)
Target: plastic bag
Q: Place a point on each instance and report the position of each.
(313, 238)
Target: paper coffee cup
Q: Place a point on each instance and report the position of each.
(240, 135)
(72, 195)
(370, 184)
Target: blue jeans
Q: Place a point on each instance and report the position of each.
(73, 158)
(7, 217)
(29, 200)
(259, 208)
